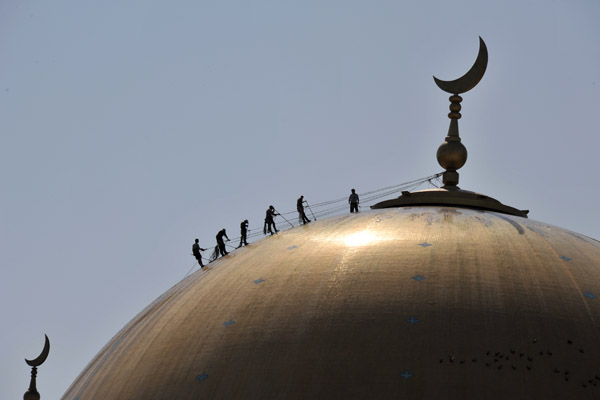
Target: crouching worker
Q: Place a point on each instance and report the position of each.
(221, 242)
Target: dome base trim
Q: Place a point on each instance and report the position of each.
(452, 197)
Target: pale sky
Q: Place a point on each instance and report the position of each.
(129, 128)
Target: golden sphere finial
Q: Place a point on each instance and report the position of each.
(452, 155)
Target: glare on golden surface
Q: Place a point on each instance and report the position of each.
(361, 238)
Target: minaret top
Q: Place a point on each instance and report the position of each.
(32, 393)
(452, 154)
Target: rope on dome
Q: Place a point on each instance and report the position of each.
(190, 270)
(330, 207)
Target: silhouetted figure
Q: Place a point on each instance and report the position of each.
(196, 249)
(243, 231)
(300, 208)
(221, 243)
(353, 200)
(270, 221)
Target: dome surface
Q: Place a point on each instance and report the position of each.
(416, 303)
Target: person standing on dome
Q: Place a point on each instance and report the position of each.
(270, 220)
(221, 243)
(300, 208)
(196, 249)
(353, 200)
(243, 231)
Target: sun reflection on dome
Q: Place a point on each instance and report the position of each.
(361, 238)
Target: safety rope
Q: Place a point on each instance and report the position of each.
(190, 270)
(331, 207)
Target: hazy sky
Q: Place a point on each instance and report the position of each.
(128, 128)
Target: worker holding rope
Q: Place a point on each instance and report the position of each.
(221, 243)
(270, 220)
(196, 249)
(244, 232)
(300, 208)
(353, 200)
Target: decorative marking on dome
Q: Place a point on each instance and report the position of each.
(565, 258)
(560, 367)
(590, 295)
(229, 323)
(412, 320)
(259, 280)
(518, 227)
(202, 376)
(406, 375)
(418, 278)
(537, 230)
(425, 244)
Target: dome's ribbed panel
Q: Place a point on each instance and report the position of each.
(413, 303)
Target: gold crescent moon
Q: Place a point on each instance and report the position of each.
(471, 78)
(42, 357)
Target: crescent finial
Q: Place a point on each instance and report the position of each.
(42, 357)
(469, 80)
(452, 154)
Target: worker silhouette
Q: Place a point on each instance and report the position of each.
(220, 243)
(353, 200)
(300, 208)
(270, 221)
(196, 249)
(243, 231)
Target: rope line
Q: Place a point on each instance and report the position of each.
(330, 207)
(190, 270)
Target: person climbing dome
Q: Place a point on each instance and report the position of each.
(243, 231)
(196, 249)
(353, 200)
(270, 221)
(300, 208)
(220, 243)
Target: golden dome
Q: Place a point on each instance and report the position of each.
(423, 302)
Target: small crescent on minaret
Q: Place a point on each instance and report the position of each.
(42, 357)
(471, 78)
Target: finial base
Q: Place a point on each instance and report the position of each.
(31, 395)
(452, 154)
(450, 180)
